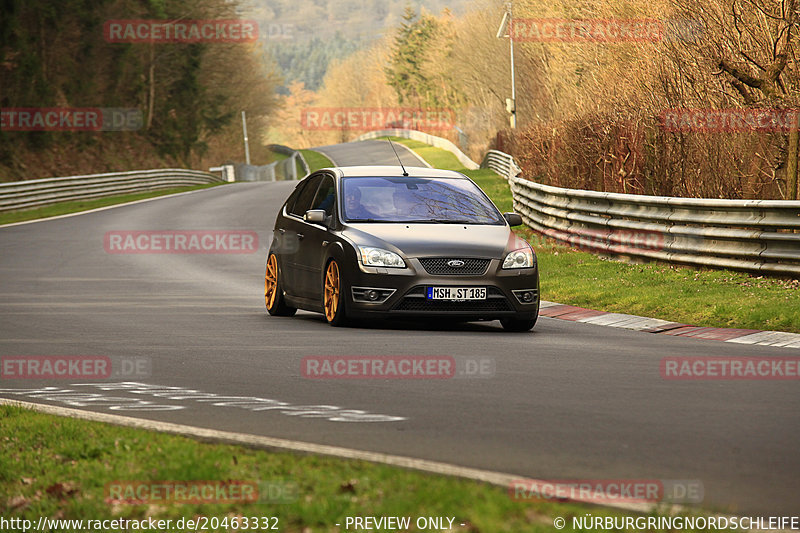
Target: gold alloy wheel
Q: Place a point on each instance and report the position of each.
(271, 281)
(331, 291)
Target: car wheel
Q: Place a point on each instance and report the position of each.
(273, 293)
(333, 299)
(516, 324)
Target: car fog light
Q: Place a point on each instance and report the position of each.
(526, 296)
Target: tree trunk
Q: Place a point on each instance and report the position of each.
(791, 164)
(152, 93)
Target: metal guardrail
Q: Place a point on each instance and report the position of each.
(502, 163)
(751, 235)
(245, 172)
(42, 192)
(303, 163)
(286, 169)
(291, 152)
(283, 170)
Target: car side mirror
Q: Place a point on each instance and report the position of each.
(318, 216)
(513, 219)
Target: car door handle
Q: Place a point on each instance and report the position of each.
(300, 236)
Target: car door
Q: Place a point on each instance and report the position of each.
(316, 239)
(292, 235)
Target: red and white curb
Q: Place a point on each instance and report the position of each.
(665, 327)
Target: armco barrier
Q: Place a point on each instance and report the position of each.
(41, 192)
(283, 170)
(292, 153)
(751, 235)
(501, 163)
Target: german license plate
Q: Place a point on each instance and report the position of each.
(456, 293)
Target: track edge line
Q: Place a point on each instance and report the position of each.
(257, 441)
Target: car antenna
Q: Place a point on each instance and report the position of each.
(398, 158)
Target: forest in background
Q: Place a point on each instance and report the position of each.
(190, 96)
(305, 36)
(55, 55)
(590, 114)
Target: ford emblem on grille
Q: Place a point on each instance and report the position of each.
(455, 263)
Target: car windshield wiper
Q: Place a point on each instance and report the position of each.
(435, 221)
(444, 221)
(417, 221)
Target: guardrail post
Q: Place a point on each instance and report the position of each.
(228, 173)
(293, 165)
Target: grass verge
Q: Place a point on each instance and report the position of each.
(77, 206)
(62, 468)
(316, 160)
(714, 298)
(277, 156)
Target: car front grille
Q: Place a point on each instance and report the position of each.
(415, 300)
(438, 266)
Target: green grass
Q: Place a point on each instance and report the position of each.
(316, 160)
(59, 467)
(715, 298)
(277, 156)
(64, 208)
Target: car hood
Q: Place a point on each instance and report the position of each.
(436, 240)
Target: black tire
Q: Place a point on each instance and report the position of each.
(276, 304)
(517, 324)
(334, 302)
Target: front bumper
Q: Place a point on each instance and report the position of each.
(405, 291)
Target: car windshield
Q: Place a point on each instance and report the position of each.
(413, 199)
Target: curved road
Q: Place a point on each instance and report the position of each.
(568, 400)
(374, 152)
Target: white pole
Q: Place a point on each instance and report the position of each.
(246, 144)
(513, 81)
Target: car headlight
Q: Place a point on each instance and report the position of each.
(377, 257)
(522, 258)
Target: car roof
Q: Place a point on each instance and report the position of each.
(378, 171)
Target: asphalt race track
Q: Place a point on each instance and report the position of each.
(370, 153)
(568, 400)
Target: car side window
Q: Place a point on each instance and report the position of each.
(293, 197)
(326, 196)
(305, 197)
